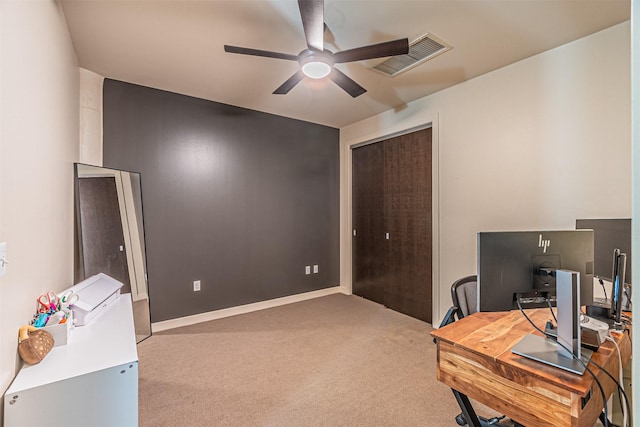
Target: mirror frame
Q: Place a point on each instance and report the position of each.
(134, 248)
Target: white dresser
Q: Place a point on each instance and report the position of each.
(91, 381)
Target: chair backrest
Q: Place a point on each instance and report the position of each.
(464, 294)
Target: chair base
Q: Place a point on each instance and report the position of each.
(469, 417)
(486, 422)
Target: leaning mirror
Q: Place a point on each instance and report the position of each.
(111, 234)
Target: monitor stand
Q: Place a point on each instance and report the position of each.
(544, 350)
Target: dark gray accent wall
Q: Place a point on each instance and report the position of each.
(239, 199)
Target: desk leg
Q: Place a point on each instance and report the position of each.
(467, 409)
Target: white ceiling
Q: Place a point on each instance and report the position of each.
(178, 46)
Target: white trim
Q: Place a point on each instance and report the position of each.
(346, 223)
(635, 189)
(435, 219)
(242, 309)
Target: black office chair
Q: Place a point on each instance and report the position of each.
(464, 295)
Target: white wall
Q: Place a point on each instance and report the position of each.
(534, 145)
(39, 112)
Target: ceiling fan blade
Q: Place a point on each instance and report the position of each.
(258, 52)
(380, 50)
(312, 13)
(289, 84)
(345, 82)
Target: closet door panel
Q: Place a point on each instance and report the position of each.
(368, 255)
(407, 200)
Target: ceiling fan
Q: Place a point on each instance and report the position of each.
(316, 62)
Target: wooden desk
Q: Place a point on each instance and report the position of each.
(474, 358)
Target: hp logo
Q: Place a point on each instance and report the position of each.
(543, 244)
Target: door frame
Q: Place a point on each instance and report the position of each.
(346, 203)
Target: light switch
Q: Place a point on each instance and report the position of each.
(307, 269)
(315, 269)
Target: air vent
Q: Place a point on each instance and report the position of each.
(420, 50)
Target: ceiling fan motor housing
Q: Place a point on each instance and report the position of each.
(316, 64)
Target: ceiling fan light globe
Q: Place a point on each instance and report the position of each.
(316, 69)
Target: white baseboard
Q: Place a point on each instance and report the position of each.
(242, 309)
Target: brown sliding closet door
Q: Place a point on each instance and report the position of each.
(368, 256)
(407, 199)
(392, 222)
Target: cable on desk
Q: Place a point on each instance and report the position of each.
(621, 393)
(603, 289)
(551, 310)
(626, 320)
(548, 335)
(626, 410)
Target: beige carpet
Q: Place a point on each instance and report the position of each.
(332, 361)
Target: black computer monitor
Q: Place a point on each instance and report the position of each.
(609, 234)
(524, 262)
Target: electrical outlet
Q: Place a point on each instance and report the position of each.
(315, 269)
(196, 285)
(307, 269)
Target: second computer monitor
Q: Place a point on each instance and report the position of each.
(524, 263)
(608, 234)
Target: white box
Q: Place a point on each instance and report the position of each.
(95, 293)
(60, 332)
